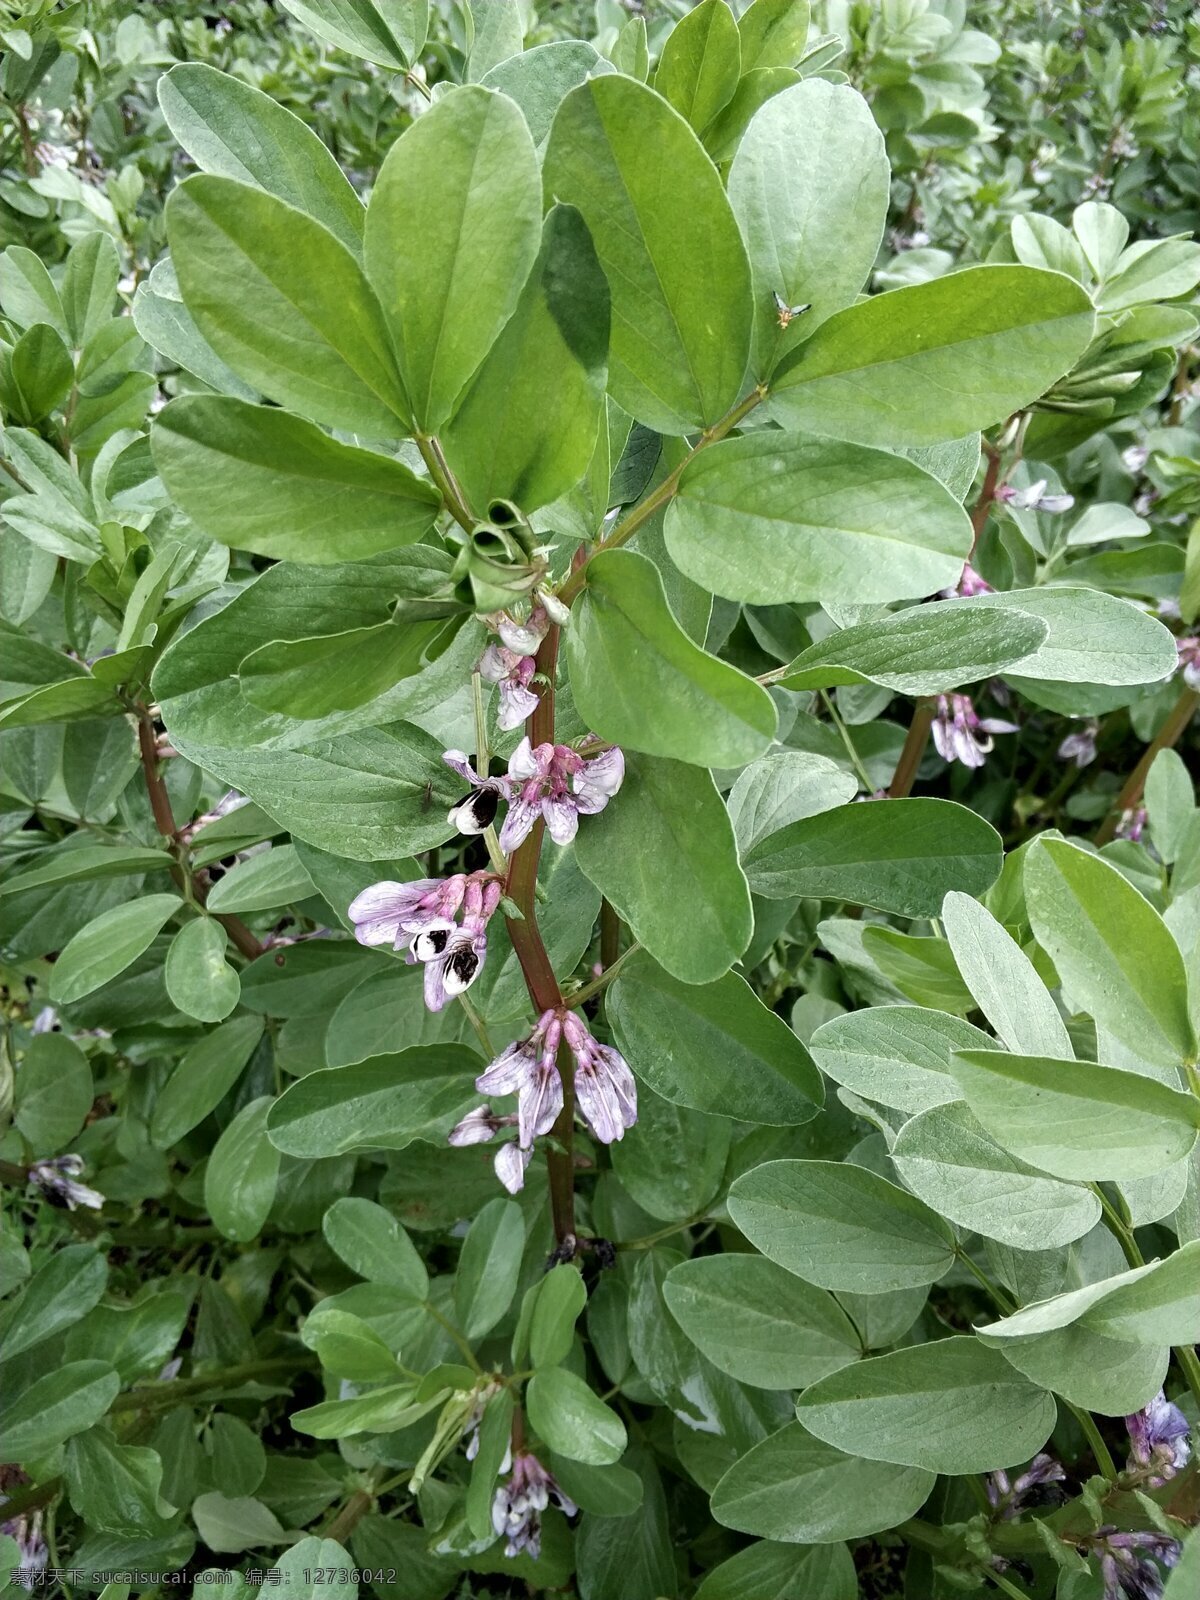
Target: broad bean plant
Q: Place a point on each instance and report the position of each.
(599, 879)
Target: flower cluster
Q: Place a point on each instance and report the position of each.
(1079, 745)
(56, 1178)
(511, 666)
(1127, 1563)
(1189, 660)
(960, 734)
(33, 1553)
(517, 1505)
(1010, 1496)
(422, 915)
(551, 782)
(1034, 498)
(605, 1092)
(1159, 1442)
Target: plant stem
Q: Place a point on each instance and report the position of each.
(343, 1523)
(152, 1395)
(1002, 1583)
(855, 759)
(1002, 1302)
(641, 513)
(610, 935)
(456, 1334)
(983, 506)
(1166, 738)
(439, 471)
(1091, 1433)
(164, 821)
(597, 985)
(530, 949)
(913, 752)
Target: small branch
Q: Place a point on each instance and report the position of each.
(641, 514)
(164, 821)
(346, 1519)
(28, 148)
(913, 752)
(987, 494)
(598, 985)
(863, 775)
(1166, 738)
(439, 471)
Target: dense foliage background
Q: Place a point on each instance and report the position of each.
(848, 887)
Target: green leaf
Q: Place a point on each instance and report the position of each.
(712, 1046)
(267, 481)
(925, 650)
(1170, 803)
(560, 1298)
(841, 1226)
(374, 1245)
(202, 1079)
(602, 1491)
(200, 981)
(772, 517)
(921, 967)
(453, 229)
(382, 1104)
(675, 262)
(975, 346)
(946, 1159)
(1155, 1304)
(116, 1487)
(89, 286)
(672, 1161)
(767, 1571)
(1003, 980)
(1075, 1119)
(494, 1446)
(347, 1347)
(783, 787)
(901, 1056)
(53, 1407)
(774, 33)
(486, 1280)
(285, 304)
(242, 1171)
(573, 1421)
(27, 291)
(54, 1093)
(700, 63)
(61, 1291)
(796, 1488)
(230, 1523)
(540, 79)
(108, 944)
(809, 186)
(1113, 953)
(391, 33)
(758, 1323)
(901, 856)
(949, 1406)
(41, 370)
(499, 31)
(236, 131)
(1093, 638)
(664, 856)
(639, 680)
(262, 882)
(526, 427)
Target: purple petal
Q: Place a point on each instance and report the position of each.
(458, 762)
(511, 1072)
(516, 704)
(510, 1164)
(600, 779)
(522, 763)
(477, 1127)
(540, 1104)
(496, 663)
(435, 984)
(379, 910)
(518, 824)
(562, 819)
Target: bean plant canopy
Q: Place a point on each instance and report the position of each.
(599, 874)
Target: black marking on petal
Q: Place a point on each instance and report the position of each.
(476, 811)
(431, 943)
(461, 968)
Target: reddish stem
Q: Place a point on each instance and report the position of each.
(1169, 735)
(531, 952)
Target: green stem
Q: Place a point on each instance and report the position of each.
(439, 471)
(170, 1394)
(855, 760)
(479, 1026)
(597, 985)
(1092, 1434)
(997, 1295)
(641, 513)
(1002, 1583)
(1117, 1227)
(459, 1338)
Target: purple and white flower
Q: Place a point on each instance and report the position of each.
(477, 1127)
(1079, 745)
(1127, 1563)
(1159, 1440)
(56, 1178)
(1131, 824)
(396, 913)
(518, 1505)
(33, 1553)
(476, 811)
(1010, 1496)
(969, 583)
(1034, 498)
(605, 1091)
(558, 785)
(960, 734)
(513, 674)
(1188, 651)
(529, 1070)
(521, 637)
(454, 956)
